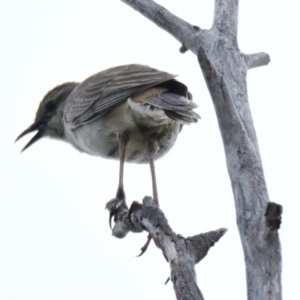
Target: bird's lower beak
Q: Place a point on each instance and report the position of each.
(35, 126)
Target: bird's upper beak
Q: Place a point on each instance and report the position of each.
(40, 126)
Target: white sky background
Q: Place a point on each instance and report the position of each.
(55, 242)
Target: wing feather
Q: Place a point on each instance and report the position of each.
(103, 91)
(176, 107)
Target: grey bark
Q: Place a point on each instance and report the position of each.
(225, 68)
(181, 253)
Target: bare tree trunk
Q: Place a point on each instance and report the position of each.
(225, 68)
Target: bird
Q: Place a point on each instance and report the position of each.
(132, 113)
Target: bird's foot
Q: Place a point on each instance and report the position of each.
(145, 247)
(117, 207)
(125, 220)
(134, 207)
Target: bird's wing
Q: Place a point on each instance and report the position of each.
(176, 107)
(173, 98)
(103, 91)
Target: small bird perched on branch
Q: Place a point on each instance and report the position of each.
(132, 113)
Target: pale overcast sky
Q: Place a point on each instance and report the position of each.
(54, 233)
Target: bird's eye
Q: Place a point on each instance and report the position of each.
(50, 106)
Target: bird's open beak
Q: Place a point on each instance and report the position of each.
(35, 126)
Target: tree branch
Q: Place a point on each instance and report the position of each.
(181, 253)
(225, 68)
(181, 30)
(257, 60)
(225, 17)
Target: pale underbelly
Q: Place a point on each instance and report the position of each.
(98, 139)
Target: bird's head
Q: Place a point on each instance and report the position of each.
(48, 120)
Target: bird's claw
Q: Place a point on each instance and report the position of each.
(116, 208)
(133, 208)
(145, 247)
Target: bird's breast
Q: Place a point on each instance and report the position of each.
(143, 125)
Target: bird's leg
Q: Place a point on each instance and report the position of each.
(152, 149)
(123, 140)
(117, 205)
